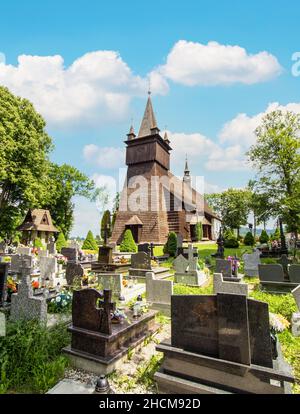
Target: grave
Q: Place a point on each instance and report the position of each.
(158, 293)
(70, 253)
(23, 250)
(141, 264)
(51, 246)
(186, 270)
(114, 282)
(99, 345)
(24, 306)
(105, 262)
(221, 344)
(251, 262)
(48, 268)
(17, 261)
(73, 270)
(229, 274)
(221, 286)
(3, 277)
(273, 279)
(296, 315)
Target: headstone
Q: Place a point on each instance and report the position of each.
(73, 270)
(90, 311)
(105, 254)
(24, 306)
(43, 253)
(141, 260)
(3, 279)
(251, 262)
(225, 326)
(221, 286)
(180, 264)
(51, 246)
(224, 267)
(270, 272)
(48, 268)
(144, 247)
(111, 281)
(23, 250)
(294, 273)
(17, 262)
(158, 293)
(70, 253)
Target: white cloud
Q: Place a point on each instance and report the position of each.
(240, 130)
(192, 63)
(86, 217)
(96, 87)
(104, 157)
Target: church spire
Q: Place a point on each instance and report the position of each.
(131, 134)
(166, 138)
(148, 125)
(186, 176)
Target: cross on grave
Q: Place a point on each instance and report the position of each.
(190, 252)
(106, 306)
(285, 261)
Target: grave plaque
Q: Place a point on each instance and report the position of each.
(259, 328)
(105, 254)
(194, 324)
(73, 270)
(70, 253)
(294, 273)
(224, 267)
(270, 272)
(233, 328)
(141, 260)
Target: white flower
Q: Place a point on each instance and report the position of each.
(58, 299)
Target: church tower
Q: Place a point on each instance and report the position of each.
(147, 156)
(187, 176)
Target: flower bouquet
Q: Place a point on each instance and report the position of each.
(61, 303)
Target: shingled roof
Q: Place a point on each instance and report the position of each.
(39, 220)
(148, 121)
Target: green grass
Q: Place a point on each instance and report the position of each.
(30, 357)
(291, 350)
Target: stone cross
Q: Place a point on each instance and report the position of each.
(190, 252)
(24, 306)
(106, 307)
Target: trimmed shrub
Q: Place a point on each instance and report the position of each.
(199, 231)
(128, 244)
(275, 235)
(90, 243)
(264, 237)
(106, 222)
(249, 239)
(171, 245)
(61, 242)
(230, 240)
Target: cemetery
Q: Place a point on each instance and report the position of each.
(178, 290)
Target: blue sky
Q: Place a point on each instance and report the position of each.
(199, 88)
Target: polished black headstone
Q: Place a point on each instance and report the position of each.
(259, 328)
(234, 341)
(194, 324)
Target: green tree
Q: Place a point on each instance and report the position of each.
(276, 235)
(106, 223)
(249, 239)
(38, 243)
(171, 245)
(65, 182)
(128, 244)
(230, 240)
(232, 205)
(24, 165)
(89, 242)
(276, 157)
(61, 242)
(264, 237)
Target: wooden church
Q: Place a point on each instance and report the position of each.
(153, 201)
